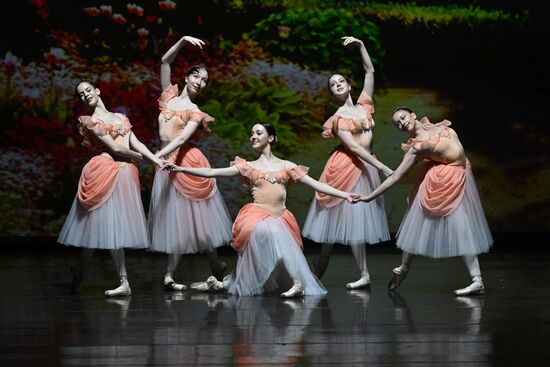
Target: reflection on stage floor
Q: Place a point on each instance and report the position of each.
(43, 324)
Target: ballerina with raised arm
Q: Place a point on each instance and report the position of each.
(351, 167)
(265, 233)
(445, 217)
(187, 213)
(107, 212)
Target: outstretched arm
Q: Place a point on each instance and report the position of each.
(325, 189)
(179, 140)
(368, 85)
(204, 172)
(348, 141)
(408, 162)
(141, 148)
(170, 56)
(118, 149)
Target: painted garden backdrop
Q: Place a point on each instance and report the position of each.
(481, 64)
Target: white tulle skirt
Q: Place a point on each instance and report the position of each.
(350, 224)
(463, 232)
(180, 225)
(118, 223)
(271, 259)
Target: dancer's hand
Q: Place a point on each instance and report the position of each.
(365, 198)
(170, 166)
(355, 198)
(163, 163)
(194, 41)
(348, 40)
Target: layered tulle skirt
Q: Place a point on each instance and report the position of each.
(118, 223)
(350, 224)
(462, 232)
(270, 260)
(178, 224)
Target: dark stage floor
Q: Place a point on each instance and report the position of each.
(42, 324)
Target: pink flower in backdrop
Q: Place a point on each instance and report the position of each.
(106, 10)
(91, 11)
(135, 9)
(119, 18)
(167, 5)
(10, 62)
(55, 56)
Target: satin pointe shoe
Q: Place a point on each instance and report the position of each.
(214, 285)
(399, 275)
(294, 292)
(476, 288)
(171, 285)
(122, 290)
(363, 283)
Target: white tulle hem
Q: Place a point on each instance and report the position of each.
(118, 223)
(180, 225)
(463, 232)
(350, 224)
(271, 259)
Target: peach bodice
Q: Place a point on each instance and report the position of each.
(269, 188)
(91, 127)
(441, 144)
(172, 122)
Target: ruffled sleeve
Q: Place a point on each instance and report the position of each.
(335, 123)
(166, 95)
(296, 173)
(87, 125)
(244, 168)
(203, 119)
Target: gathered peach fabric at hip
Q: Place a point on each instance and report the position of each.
(342, 172)
(192, 187)
(98, 180)
(249, 216)
(441, 189)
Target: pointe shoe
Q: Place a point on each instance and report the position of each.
(173, 286)
(473, 289)
(399, 275)
(363, 282)
(294, 292)
(122, 290)
(214, 285)
(199, 286)
(320, 264)
(219, 271)
(78, 276)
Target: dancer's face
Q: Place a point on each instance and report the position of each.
(338, 85)
(88, 94)
(259, 138)
(404, 120)
(196, 81)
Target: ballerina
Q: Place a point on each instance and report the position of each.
(445, 217)
(187, 214)
(107, 212)
(265, 233)
(351, 167)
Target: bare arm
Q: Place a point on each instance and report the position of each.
(118, 149)
(179, 140)
(348, 141)
(368, 85)
(141, 148)
(324, 188)
(408, 162)
(170, 56)
(205, 172)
